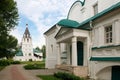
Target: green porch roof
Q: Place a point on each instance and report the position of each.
(68, 23)
(105, 59)
(82, 25)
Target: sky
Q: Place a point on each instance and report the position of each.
(40, 15)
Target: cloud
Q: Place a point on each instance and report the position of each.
(43, 13)
(17, 34)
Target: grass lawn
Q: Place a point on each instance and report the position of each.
(34, 65)
(33, 62)
(2, 67)
(48, 77)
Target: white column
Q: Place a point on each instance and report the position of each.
(68, 53)
(116, 31)
(58, 54)
(74, 51)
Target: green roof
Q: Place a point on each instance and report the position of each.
(68, 23)
(19, 53)
(102, 47)
(83, 25)
(105, 59)
(36, 51)
(113, 7)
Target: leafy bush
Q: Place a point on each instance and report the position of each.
(8, 62)
(15, 62)
(34, 66)
(4, 62)
(2, 67)
(48, 77)
(66, 76)
(30, 60)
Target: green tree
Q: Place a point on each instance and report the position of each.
(8, 15)
(37, 48)
(43, 50)
(9, 49)
(8, 20)
(11, 46)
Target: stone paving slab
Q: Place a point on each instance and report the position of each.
(16, 72)
(4, 74)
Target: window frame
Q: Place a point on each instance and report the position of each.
(108, 35)
(95, 8)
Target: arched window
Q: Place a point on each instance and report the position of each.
(52, 48)
(27, 40)
(29, 54)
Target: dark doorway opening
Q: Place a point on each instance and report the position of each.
(80, 53)
(116, 73)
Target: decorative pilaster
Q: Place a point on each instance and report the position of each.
(58, 54)
(68, 54)
(74, 51)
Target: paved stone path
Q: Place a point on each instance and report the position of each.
(17, 72)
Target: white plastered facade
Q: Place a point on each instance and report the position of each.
(98, 70)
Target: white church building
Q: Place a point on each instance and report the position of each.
(26, 51)
(87, 42)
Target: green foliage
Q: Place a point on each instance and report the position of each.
(4, 62)
(30, 60)
(43, 50)
(15, 62)
(37, 48)
(8, 14)
(8, 20)
(2, 67)
(8, 62)
(48, 77)
(66, 76)
(8, 50)
(34, 66)
(60, 76)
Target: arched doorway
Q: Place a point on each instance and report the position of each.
(80, 53)
(109, 73)
(115, 73)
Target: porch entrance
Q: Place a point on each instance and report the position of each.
(116, 73)
(79, 53)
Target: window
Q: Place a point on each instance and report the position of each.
(95, 7)
(108, 34)
(27, 40)
(83, 10)
(29, 54)
(52, 48)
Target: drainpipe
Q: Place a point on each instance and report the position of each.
(90, 52)
(91, 25)
(91, 28)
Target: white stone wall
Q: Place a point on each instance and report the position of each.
(105, 74)
(26, 58)
(99, 37)
(51, 48)
(80, 13)
(27, 47)
(103, 4)
(101, 70)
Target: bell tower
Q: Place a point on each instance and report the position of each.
(27, 47)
